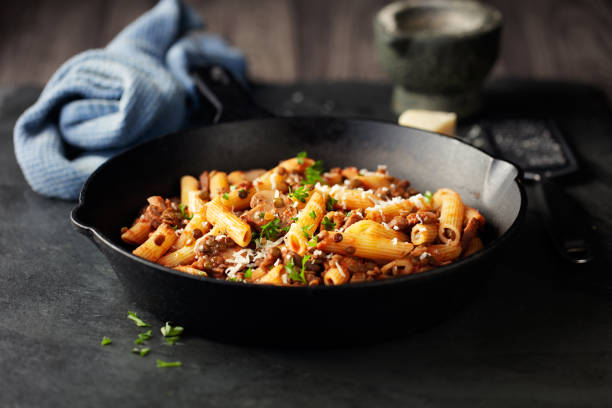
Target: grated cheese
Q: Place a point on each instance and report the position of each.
(340, 269)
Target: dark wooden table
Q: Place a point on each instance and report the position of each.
(289, 40)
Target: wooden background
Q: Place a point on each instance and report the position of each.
(293, 40)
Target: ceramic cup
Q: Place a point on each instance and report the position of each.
(437, 52)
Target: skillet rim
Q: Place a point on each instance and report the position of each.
(92, 233)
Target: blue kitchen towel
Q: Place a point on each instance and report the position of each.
(102, 101)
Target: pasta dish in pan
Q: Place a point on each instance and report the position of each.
(299, 225)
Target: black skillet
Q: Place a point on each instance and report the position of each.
(256, 314)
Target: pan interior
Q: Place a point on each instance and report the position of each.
(116, 192)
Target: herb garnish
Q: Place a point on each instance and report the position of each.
(272, 229)
(313, 215)
(300, 193)
(225, 196)
(105, 341)
(328, 224)
(137, 320)
(142, 351)
(300, 157)
(295, 275)
(314, 241)
(294, 219)
(313, 173)
(164, 364)
(142, 337)
(185, 215)
(169, 331)
(305, 229)
(329, 204)
(428, 196)
(262, 215)
(248, 274)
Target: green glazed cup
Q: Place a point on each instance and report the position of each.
(437, 52)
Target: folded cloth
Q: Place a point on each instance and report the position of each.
(102, 101)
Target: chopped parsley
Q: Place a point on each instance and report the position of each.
(272, 230)
(428, 196)
(305, 229)
(262, 215)
(300, 193)
(105, 341)
(169, 331)
(295, 275)
(164, 364)
(142, 351)
(313, 215)
(329, 204)
(185, 215)
(137, 320)
(313, 173)
(248, 274)
(294, 219)
(225, 196)
(314, 241)
(142, 337)
(300, 157)
(328, 224)
(172, 339)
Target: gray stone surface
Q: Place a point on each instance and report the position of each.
(540, 334)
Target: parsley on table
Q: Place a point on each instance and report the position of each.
(428, 196)
(172, 339)
(142, 337)
(169, 331)
(313, 215)
(329, 204)
(328, 224)
(185, 215)
(313, 173)
(300, 193)
(248, 274)
(137, 320)
(105, 341)
(300, 157)
(164, 364)
(142, 351)
(272, 229)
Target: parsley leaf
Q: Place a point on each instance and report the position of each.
(272, 229)
(142, 337)
(300, 194)
(329, 204)
(164, 364)
(172, 339)
(328, 224)
(225, 196)
(313, 173)
(137, 320)
(169, 331)
(248, 274)
(304, 260)
(142, 351)
(293, 274)
(105, 341)
(262, 215)
(314, 241)
(428, 196)
(300, 157)
(294, 219)
(305, 229)
(185, 215)
(313, 215)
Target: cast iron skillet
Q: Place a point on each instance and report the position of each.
(258, 314)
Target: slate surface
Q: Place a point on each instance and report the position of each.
(540, 334)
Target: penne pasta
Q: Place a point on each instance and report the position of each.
(474, 246)
(238, 199)
(385, 212)
(196, 227)
(307, 223)
(350, 199)
(336, 276)
(451, 216)
(190, 270)
(365, 246)
(157, 244)
(137, 234)
(182, 256)
(376, 229)
(274, 276)
(188, 184)
(224, 219)
(218, 184)
(423, 234)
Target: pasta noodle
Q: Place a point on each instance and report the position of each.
(297, 225)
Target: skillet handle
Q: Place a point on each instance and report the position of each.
(567, 223)
(223, 97)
